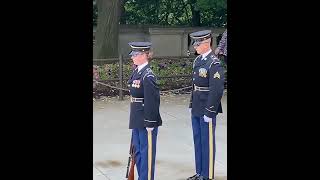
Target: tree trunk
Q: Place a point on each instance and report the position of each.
(195, 13)
(107, 34)
(122, 12)
(195, 18)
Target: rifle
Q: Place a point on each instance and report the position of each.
(131, 163)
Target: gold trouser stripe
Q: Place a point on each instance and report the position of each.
(149, 154)
(210, 151)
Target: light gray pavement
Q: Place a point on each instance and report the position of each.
(175, 153)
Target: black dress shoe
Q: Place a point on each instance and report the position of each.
(194, 177)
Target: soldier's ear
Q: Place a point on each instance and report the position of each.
(150, 55)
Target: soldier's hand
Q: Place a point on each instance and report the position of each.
(190, 110)
(216, 52)
(207, 119)
(149, 129)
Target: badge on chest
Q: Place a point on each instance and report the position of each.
(202, 72)
(136, 84)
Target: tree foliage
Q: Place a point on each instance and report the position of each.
(107, 14)
(211, 13)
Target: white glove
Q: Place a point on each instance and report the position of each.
(149, 129)
(190, 110)
(207, 119)
(216, 52)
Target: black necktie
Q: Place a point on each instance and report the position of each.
(135, 71)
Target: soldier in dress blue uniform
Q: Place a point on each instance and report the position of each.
(144, 110)
(205, 104)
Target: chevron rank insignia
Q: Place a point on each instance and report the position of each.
(216, 75)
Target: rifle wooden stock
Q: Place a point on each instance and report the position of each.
(131, 163)
(131, 173)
